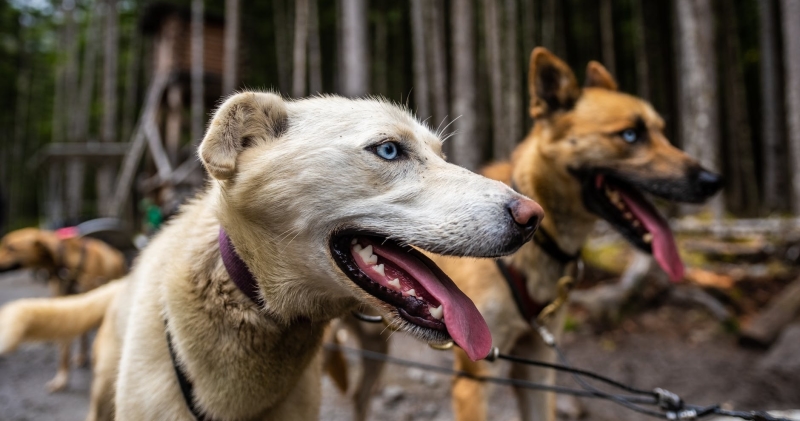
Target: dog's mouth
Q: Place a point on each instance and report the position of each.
(626, 208)
(414, 288)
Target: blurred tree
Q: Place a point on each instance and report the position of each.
(698, 85)
(607, 35)
(300, 55)
(354, 74)
(418, 42)
(791, 51)
(314, 50)
(231, 68)
(642, 66)
(282, 42)
(513, 78)
(466, 146)
(773, 147)
(501, 143)
(108, 133)
(438, 63)
(197, 91)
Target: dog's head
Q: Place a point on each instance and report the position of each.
(329, 195)
(27, 248)
(609, 147)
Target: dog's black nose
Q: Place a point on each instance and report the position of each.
(526, 214)
(708, 182)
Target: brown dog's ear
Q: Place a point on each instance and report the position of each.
(47, 244)
(242, 120)
(597, 76)
(551, 83)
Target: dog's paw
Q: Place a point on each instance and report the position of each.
(58, 383)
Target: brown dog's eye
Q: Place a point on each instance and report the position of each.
(630, 135)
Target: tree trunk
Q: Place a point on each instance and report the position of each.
(299, 79)
(607, 34)
(76, 168)
(529, 41)
(549, 24)
(642, 65)
(314, 50)
(466, 148)
(131, 84)
(355, 65)
(438, 65)
(105, 174)
(501, 146)
(513, 76)
(743, 192)
(282, 42)
(380, 51)
(420, 64)
(791, 58)
(773, 152)
(197, 89)
(231, 65)
(698, 87)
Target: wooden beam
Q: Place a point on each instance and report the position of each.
(88, 150)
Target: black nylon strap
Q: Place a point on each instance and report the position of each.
(186, 386)
(549, 245)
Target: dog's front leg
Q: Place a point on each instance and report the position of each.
(536, 405)
(59, 382)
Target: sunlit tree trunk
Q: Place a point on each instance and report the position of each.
(698, 86)
(355, 61)
(231, 67)
(420, 64)
(772, 116)
(300, 56)
(108, 133)
(791, 59)
(466, 147)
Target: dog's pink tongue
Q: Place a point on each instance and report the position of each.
(463, 321)
(664, 249)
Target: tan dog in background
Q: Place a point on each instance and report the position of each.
(73, 265)
(591, 154)
(320, 199)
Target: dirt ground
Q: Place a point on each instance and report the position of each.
(680, 349)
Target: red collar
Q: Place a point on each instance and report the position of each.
(527, 306)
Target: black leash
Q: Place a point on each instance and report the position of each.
(183, 382)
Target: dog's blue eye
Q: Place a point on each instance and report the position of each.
(630, 135)
(387, 150)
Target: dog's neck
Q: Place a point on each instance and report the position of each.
(566, 220)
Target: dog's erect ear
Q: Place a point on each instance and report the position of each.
(597, 76)
(244, 119)
(551, 83)
(47, 244)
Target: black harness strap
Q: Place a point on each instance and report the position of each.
(546, 242)
(183, 382)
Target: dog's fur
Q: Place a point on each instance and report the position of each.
(73, 265)
(575, 129)
(288, 175)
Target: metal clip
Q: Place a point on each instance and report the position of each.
(493, 354)
(667, 400)
(547, 337)
(686, 414)
(442, 347)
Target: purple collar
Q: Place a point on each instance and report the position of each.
(237, 269)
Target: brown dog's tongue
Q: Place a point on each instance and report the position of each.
(463, 321)
(664, 249)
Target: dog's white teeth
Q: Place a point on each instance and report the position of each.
(357, 248)
(436, 312)
(627, 215)
(648, 238)
(394, 283)
(412, 293)
(365, 252)
(379, 268)
(354, 242)
(372, 259)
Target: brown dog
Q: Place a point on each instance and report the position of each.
(74, 265)
(590, 154)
